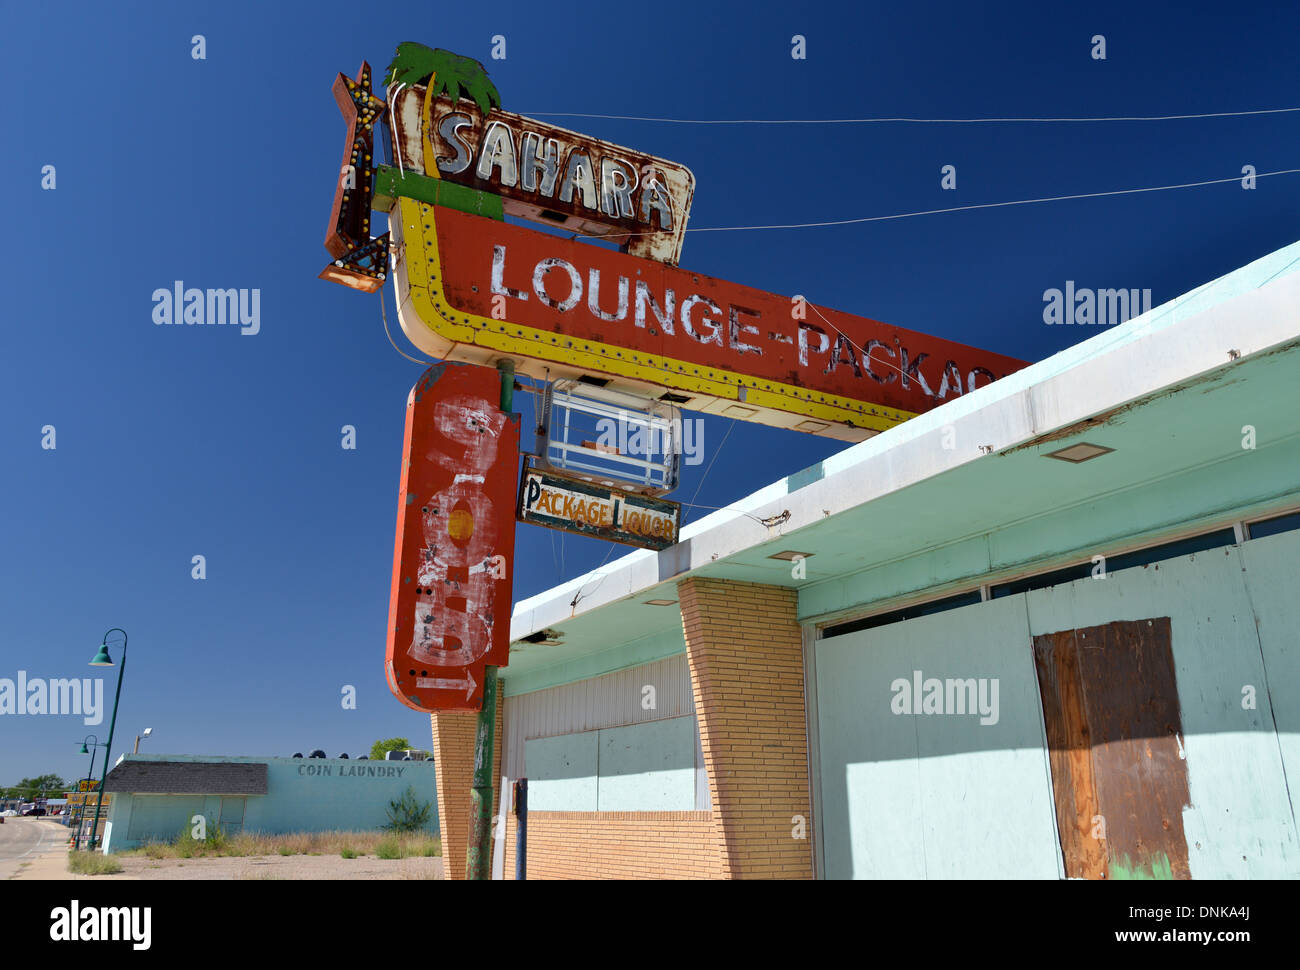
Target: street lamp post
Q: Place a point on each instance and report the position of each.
(94, 742)
(102, 659)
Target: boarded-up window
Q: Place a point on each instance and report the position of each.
(232, 815)
(1114, 730)
(161, 818)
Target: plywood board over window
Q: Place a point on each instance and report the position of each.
(1114, 732)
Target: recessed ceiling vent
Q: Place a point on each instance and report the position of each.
(1076, 454)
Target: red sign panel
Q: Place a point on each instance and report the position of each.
(582, 292)
(449, 610)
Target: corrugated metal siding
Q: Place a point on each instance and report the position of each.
(611, 700)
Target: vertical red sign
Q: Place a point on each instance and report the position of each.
(449, 609)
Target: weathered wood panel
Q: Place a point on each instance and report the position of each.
(1070, 754)
(1114, 726)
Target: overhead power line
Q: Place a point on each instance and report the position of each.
(962, 208)
(910, 121)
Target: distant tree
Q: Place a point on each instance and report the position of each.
(381, 748)
(28, 789)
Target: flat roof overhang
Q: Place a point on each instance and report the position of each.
(1169, 391)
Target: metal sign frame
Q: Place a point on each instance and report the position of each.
(636, 419)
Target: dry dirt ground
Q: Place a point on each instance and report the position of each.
(39, 851)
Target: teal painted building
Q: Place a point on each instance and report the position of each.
(1047, 629)
(156, 796)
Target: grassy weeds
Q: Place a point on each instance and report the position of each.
(92, 864)
(385, 845)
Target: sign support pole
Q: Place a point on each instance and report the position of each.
(480, 796)
(479, 850)
(521, 829)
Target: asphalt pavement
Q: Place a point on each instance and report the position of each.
(25, 840)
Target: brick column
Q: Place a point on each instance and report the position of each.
(453, 767)
(745, 651)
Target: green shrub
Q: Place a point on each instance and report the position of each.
(389, 849)
(348, 852)
(284, 850)
(408, 813)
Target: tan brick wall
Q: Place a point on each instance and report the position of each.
(617, 845)
(745, 651)
(453, 765)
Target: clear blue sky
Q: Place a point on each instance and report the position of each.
(177, 441)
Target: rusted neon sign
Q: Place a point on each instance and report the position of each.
(546, 173)
(449, 608)
(474, 288)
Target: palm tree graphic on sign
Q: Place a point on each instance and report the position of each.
(446, 73)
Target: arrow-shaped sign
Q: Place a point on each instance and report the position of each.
(359, 261)
(447, 683)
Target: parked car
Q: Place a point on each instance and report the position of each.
(34, 811)
(8, 813)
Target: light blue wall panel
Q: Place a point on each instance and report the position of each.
(1272, 567)
(561, 772)
(648, 767)
(1240, 822)
(938, 795)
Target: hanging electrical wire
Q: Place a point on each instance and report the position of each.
(383, 312)
(911, 121)
(965, 208)
(709, 467)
